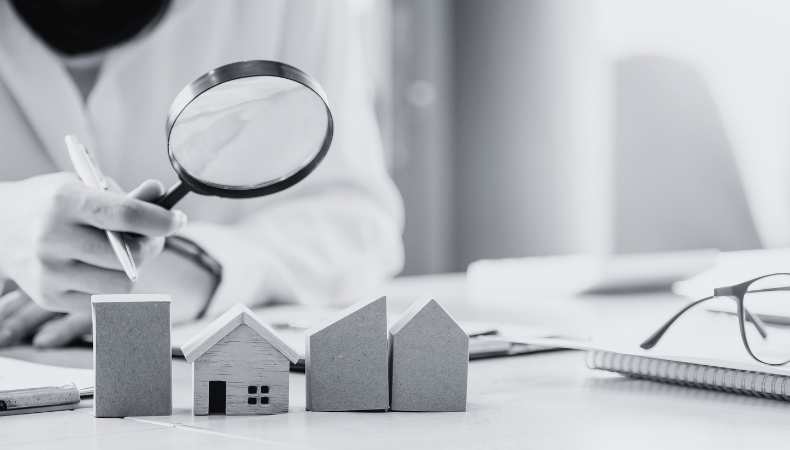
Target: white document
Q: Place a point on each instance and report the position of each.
(18, 374)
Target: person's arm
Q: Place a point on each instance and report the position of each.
(180, 272)
(337, 233)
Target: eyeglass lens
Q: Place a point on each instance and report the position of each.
(769, 299)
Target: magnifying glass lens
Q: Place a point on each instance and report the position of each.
(249, 132)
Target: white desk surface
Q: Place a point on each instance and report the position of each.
(548, 400)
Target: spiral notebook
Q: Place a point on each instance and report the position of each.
(728, 376)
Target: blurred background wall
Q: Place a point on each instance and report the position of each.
(534, 127)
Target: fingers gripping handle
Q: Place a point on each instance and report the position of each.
(173, 196)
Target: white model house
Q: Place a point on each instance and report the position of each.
(240, 366)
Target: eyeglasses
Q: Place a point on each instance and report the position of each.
(763, 309)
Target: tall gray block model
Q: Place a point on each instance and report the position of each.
(131, 355)
(346, 361)
(430, 360)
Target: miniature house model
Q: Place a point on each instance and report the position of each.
(240, 366)
(429, 360)
(132, 357)
(347, 362)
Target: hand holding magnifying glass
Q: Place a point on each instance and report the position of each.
(225, 123)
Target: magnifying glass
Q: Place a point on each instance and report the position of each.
(246, 129)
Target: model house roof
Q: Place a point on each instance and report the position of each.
(427, 307)
(347, 313)
(227, 322)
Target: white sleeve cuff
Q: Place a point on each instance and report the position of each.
(247, 275)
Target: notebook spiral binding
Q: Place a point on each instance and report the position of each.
(736, 381)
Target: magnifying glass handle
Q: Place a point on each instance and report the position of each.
(173, 196)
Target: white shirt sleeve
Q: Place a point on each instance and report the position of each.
(337, 233)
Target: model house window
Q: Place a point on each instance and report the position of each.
(252, 391)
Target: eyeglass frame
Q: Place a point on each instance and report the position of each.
(736, 292)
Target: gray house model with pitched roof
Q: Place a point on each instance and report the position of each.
(346, 360)
(240, 366)
(429, 354)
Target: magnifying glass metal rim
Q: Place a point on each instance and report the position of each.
(223, 74)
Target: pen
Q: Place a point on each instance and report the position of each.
(89, 173)
(39, 399)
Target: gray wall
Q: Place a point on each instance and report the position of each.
(517, 132)
(422, 103)
(676, 184)
(490, 132)
(525, 121)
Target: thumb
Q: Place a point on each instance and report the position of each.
(61, 331)
(148, 190)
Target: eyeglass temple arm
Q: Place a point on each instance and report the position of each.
(754, 318)
(784, 288)
(756, 321)
(655, 337)
(651, 341)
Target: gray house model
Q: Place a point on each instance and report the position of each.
(240, 366)
(346, 360)
(429, 354)
(131, 355)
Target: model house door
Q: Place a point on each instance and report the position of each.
(216, 397)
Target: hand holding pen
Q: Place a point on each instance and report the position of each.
(89, 173)
(54, 243)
